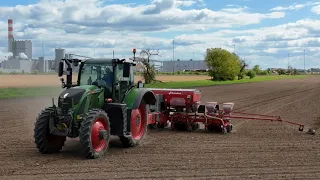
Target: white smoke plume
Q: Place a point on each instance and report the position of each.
(5, 56)
(23, 55)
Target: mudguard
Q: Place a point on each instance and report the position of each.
(133, 100)
(134, 97)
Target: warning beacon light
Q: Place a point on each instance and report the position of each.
(134, 54)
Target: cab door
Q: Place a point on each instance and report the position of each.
(123, 80)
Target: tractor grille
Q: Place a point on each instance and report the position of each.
(65, 104)
(66, 97)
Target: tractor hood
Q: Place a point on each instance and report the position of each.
(75, 93)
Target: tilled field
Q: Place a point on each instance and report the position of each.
(254, 150)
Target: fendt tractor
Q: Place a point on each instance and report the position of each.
(103, 102)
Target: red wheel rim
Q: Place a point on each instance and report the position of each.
(97, 143)
(138, 122)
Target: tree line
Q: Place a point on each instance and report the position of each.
(224, 65)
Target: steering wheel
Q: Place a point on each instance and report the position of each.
(102, 84)
(99, 83)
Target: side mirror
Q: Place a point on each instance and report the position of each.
(126, 70)
(60, 71)
(140, 84)
(75, 63)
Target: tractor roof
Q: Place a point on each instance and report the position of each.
(98, 60)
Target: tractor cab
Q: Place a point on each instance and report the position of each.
(113, 76)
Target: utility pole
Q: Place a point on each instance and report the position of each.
(288, 61)
(42, 50)
(173, 56)
(193, 56)
(304, 60)
(172, 50)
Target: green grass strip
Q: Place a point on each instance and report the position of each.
(6, 93)
(202, 83)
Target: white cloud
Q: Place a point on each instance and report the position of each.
(159, 15)
(316, 9)
(92, 28)
(294, 6)
(188, 3)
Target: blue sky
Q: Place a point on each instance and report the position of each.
(263, 31)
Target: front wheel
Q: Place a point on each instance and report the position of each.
(138, 126)
(94, 133)
(45, 142)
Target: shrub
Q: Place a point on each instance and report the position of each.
(263, 73)
(251, 74)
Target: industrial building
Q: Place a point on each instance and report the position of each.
(22, 60)
(18, 47)
(174, 66)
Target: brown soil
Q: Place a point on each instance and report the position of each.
(54, 80)
(254, 150)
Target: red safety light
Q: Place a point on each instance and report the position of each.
(134, 50)
(108, 100)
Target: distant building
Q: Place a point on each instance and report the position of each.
(24, 47)
(174, 66)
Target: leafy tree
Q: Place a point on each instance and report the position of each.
(263, 73)
(269, 71)
(251, 74)
(149, 73)
(281, 71)
(243, 66)
(256, 69)
(222, 64)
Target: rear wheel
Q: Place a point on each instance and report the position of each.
(45, 142)
(94, 133)
(138, 126)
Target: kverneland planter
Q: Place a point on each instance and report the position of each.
(182, 108)
(105, 101)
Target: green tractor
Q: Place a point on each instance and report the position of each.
(103, 102)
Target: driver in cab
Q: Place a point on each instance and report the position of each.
(108, 76)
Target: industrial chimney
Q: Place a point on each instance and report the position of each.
(10, 36)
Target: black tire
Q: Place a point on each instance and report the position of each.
(229, 128)
(195, 126)
(130, 141)
(87, 127)
(45, 142)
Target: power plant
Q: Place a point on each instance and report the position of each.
(21, 59)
